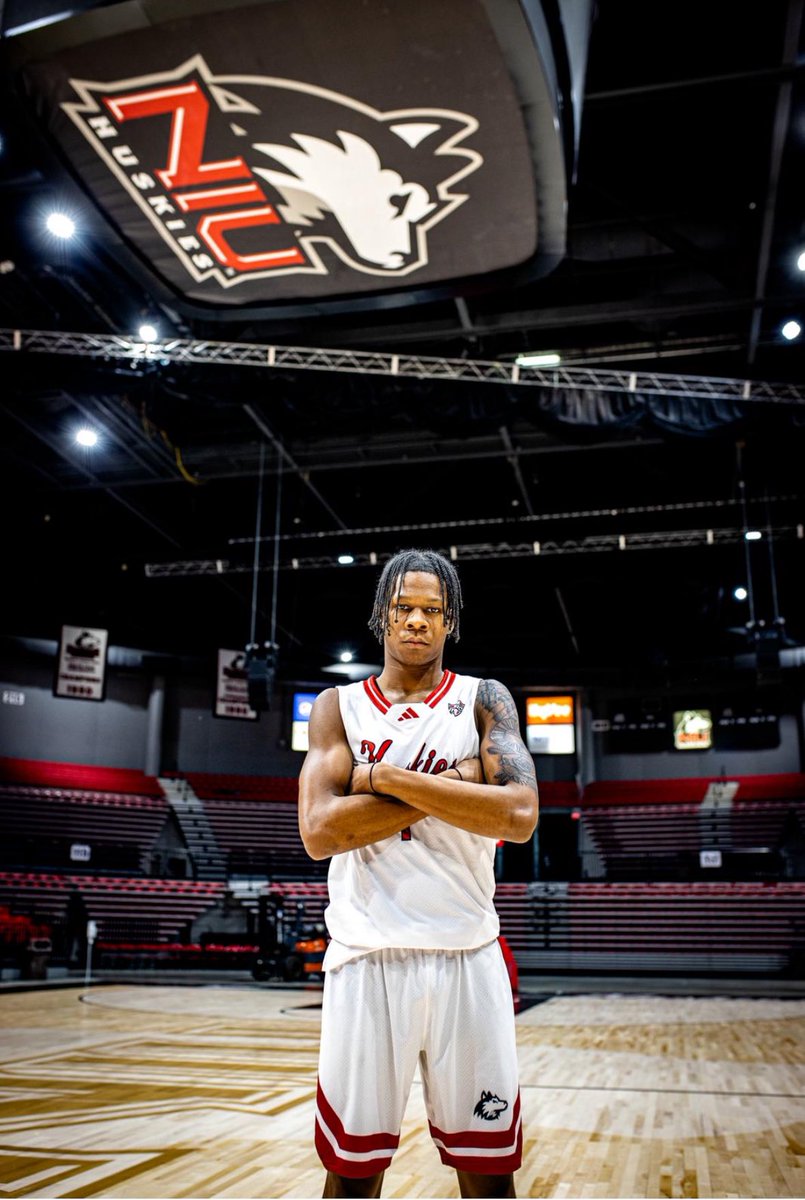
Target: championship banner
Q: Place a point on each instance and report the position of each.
(324, 148)
(232, 687)
(81, 672)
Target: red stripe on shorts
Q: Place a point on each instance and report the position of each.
(358, 1143)
(480, 1139)
(331, 1161)
(485, 1164)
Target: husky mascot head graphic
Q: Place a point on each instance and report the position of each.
(324, 169)
(490, 1106)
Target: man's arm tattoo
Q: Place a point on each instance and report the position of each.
(515, 764)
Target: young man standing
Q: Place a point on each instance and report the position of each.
(410, 780)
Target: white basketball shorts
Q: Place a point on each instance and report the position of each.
(452, 1012)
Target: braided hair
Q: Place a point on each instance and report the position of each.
(394, 573)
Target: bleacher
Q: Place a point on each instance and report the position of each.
(47, 808)
(256, 823)
(78, 777)
(652, 911)
(655, 829)
(665, 927)
(125, 909)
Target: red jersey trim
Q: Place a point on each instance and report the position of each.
(442, 688)
(358, 1143)
(347, 1166)
(480, 1139)
(375, 695)
(485, 1164)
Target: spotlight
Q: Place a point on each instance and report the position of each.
(801, 261)
(538, 360)
(753, 535)
(346, 559)
(86, 437)
(148, 333)
(60, 225)
(791, 330)
(346, 656)
(740, 593)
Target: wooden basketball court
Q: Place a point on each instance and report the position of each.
(180, 1091)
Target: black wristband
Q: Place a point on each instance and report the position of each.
(461, 777)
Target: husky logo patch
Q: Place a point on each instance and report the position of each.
(249, 177)
(456, 709)
(490, 1106)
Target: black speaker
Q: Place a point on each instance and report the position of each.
(261, 667)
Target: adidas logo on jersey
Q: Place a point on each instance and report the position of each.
(408, 715)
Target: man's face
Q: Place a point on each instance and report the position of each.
(416, 630)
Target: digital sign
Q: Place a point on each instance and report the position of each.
(302, 708)
(550, 724)
(693, 729)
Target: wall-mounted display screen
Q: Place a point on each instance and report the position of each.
(550, 724)
(693, 729)
(302, 707)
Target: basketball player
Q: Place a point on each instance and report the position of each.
(410, 780)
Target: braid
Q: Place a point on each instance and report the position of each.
(395, 571)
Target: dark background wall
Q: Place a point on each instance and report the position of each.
(114, 732)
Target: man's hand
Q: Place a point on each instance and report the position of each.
(472, 770)
(359, 780)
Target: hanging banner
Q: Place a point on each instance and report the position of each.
(81, 673)
(251, 155)
(232, 687)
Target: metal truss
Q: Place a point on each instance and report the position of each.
(109, 347)
(584, 514)
(680, 539)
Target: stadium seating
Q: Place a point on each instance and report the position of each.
(655, 829)
(125, 909)
(46, 808)
(691, 927)
(255, 821)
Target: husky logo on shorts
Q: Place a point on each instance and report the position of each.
(456, 709)
(251, 176)
(490, 1106)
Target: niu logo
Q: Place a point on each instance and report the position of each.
(456, 709)
(253, 176)
(408, 715)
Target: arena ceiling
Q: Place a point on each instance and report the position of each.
(597, 520)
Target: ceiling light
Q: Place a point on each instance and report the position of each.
(753, 535)
(791, 330)
(346, 656)
(740, 593)
(538, 360)
(86, 437)
(801, 261)
(148, 333)
(60, 225)
(345, 559)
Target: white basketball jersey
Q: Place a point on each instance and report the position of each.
(431, 886)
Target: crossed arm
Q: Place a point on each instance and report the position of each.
(338, 810)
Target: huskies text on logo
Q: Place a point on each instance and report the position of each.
(254, 176)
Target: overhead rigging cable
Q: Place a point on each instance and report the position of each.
(276, 552)
(257, 527)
